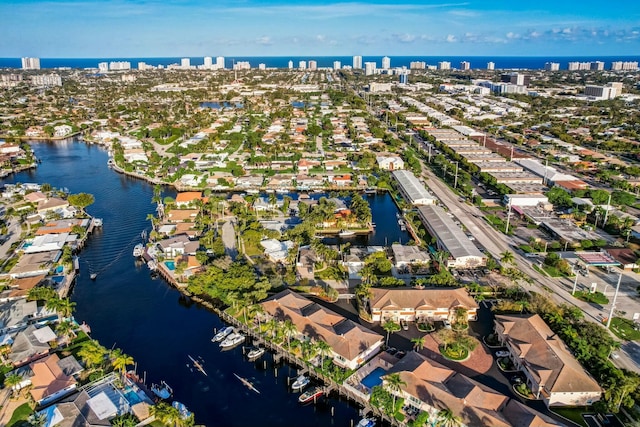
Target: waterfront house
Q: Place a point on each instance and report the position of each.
(276, 250)
(30, 344)
(16, 314)
(48, 242)
(405, 255)
(51, 204)
(551, 371)
(35, 197)
(19, 288)
(390, 162)
(62, 226)
(49, 382)
(35, 264)
(420, 304)
(177, 245)
(189, 199)
(431, 387)
(181, 215)
(351, 343)
(62, 130)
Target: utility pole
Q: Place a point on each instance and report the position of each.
(506, 230)
(575, 282)
(455, 180)
(606, 214)
(429, 152)
(613, 303)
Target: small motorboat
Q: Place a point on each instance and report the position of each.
(162, 390)
(232, 340)
(93, 276)
(366, 422)
(138, 250)
(311, 395)
(346, 233)
(301, 382)
(255, 353)
(222, 334)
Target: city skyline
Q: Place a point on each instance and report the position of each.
(89, 28)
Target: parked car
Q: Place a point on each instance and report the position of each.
(502, 353)
(447, 324)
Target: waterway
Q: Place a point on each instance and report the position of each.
(153, 322)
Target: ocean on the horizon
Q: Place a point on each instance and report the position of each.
(477, 62)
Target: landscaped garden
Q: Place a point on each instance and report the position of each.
(625, 329)
(506, 364)
(593, 297)
(524, 390)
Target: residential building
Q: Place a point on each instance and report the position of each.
(552, 66)
(220, 62)
(369, 68)
(386, 63)
(405, 255)
(491, 65)
(208, 62)
(417, 65)
(103, 67)
(419, 305)
(302, 65)
(30, 63)
(465, 65)
(357, 62)
(46, 80)
(337, 65)
(290, 64)
(49, 382)
(444, 65)
(389, 162)
(119, 65)
(552, 372)
(351, 343)
(313, 65)
(185, 63)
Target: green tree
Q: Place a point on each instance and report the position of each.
(12, 381)
(418, 343)
(92, 353)
(390, 326)
(120, 361)
(394, 383)
(446, 418)
(507, 257)
(81, 200)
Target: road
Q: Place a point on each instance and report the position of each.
(229, 239)
(559, 290)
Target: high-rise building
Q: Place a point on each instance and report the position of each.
(417, 65)
(119, 65)
(624, 66)
(337, 65)
(208, 62)
(302, 65)
(610, 91)
(30, 63)
(597, 66)
(313, 65)
(103, 67)
(404, 78)
(444, 65)
(386, 63)
(185, 63)
(465, 65)
(46, 80)
(142, 66)
(242, 65)
(491, 65)
(357, 62)
(220, 62)
(290, 64)
(552, 66)
(578, 66)
(515, 79)
(369, 68)
(262, 66)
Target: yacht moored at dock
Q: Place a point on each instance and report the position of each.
(222, 334)
(255, 353)
(138, 250)
(311, 395)
(232, 340)
(301, 382)
(162, 390)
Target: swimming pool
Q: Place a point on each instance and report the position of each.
(171, 265)
(374, 378)
(132, 397)
(57, 279)
(59, 269)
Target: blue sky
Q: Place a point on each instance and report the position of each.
(152, 28)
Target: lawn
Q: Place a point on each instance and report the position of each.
(573, 414)
(20, 415)
(329, 273)
(552, 271)
(595, 297)
(623, 329)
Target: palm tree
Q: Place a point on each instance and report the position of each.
(441, 257)
(390, 326)
(418, 343)
(120, 360)
(394, 383)
(272, 326)
(507, 257)
(92, 353)
(324, 349)
(11, 381)
(446, 418)
(289, 329)
(65, 329)
(65, 307)
(37, 419)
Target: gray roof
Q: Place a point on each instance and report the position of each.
(70, 366)
(26, 345)
(451, 237)
(411, 187)
(409, 254)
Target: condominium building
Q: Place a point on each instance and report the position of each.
(491, 65)
(357, 62)
(386, 63)
(552, 66)
(220, 63)
(597, 65)
(262, 66)
(444, 65)
(103, 67)
(337, 65)
(185, 63)
(30, 63)
(302, 65)
(417, 65)
(465, 65)
(313, 65)
(578, 66)
(46, 80)
(624, 66)
(610, 91)
(119, 65)
(290, 64)
(369, 68)
(208, 62)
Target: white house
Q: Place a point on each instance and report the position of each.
(62, 130)
(390, 162)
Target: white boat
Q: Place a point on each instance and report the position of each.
(346, 233)
(138, 250)
(366, 422)
(253, 191)
(282, 191)
(93, 276)
(232, 340)
(255, 353)
(222, 334)
(162, 390)
(152, 265)
(301, 382)
(310, 395)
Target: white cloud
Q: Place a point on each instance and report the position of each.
(451, 38)
(264, 40)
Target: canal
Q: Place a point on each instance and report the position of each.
(153, 322)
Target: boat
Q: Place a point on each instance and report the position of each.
(182, 409)
(253, 191)
(346, 233)
(255, 353)
(301, 382)
(198, 365)
(366, 422)
(247, 383)
(152, 265)
(282, 191)
(138, 250)
(310, 395)
(93, 276)
(370, 191)
(162, 390)
(398, 215)
(232, 340)
(222, 334)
